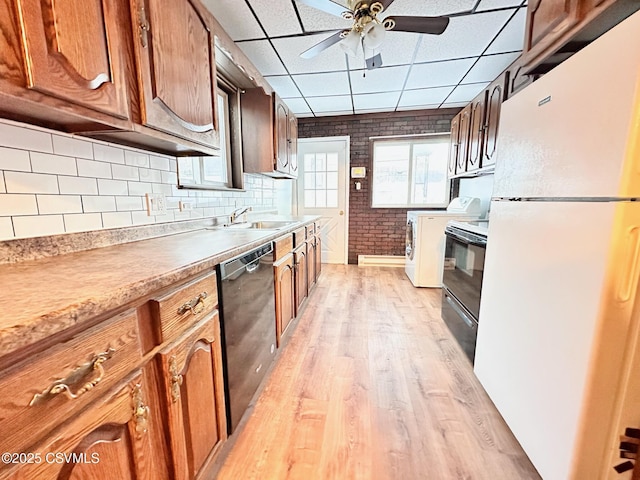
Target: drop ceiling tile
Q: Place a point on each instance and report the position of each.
(466, 36)
(276, 16)
(372, 110)
(487, 68)
(424, 97)
(331, 104)
(397, 49)
(512, 37)
(491, 4)
(323, 84)
(284, 86)
(263, 57)
(334, 114)
(423, 8)
(236, 19)
(439, 73)
(332, 59)
(466, 93)
(402, 108)
(314, 20)
(379, 80)
(387, 101)
(298, 106)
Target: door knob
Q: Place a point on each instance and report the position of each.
(341, 212)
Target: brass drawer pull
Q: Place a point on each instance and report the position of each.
(140, 410)
(176, 379)
(80, 372)
(194, 306)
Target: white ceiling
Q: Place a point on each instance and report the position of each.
(419, 71)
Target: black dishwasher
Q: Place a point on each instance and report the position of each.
(248, 326)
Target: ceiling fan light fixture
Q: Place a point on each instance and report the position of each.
(350, 43)
(374, 34)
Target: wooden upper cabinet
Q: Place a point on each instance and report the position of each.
(476, 132)
(281, 137)
(191, 369)
(74, 51)
(293, 144)
(495, 95)
(174, 48)
(454, 145)
(464, 138)
(548, 20)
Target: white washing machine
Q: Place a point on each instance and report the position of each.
(426, 240)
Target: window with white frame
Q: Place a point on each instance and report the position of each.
(321, 180)
(410, 171)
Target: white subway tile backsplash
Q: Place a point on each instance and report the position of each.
(147, 175)
(136, 159)
(159, 163)
(116, 219)
(142, 218)
(105, 153)
(170, 177)
(78, 185)
(25, 138)
(161, 188)
(14, 159)
(112, 187)
(129, 203)
(38, 225)
(18, 205)
(124, 172)
(49, 204)
(173, 165)
(19, 182)
(6, 228)
(56, 164)
(83, 222)
(72, 147)
(139, 188)
(91, 168)
(104, 203)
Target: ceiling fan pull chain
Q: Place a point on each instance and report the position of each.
(364, 56)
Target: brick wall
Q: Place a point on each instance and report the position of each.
(374, 231)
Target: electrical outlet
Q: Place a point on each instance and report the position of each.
(185, 206)
(156, 204)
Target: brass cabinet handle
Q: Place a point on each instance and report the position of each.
(80, 372)
(194, 306)
(144, 28)
(140, 410)
(176, 378)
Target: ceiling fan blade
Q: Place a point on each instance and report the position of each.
(431, 25)
(326, 6)
(374, 62)
(323, 45)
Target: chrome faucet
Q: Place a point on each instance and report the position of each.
(237, 212)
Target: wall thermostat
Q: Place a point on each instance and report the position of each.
(358, 172)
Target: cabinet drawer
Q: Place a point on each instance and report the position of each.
(282, 246)
(39, 392)
(299, 236)
(185, 306)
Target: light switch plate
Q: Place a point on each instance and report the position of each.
(156, 204)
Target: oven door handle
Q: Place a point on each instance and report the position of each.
(253, 266)
(466, 241)
(470, 323)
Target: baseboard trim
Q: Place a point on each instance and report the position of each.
(381, 261)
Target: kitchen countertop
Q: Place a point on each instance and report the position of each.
(43, 297)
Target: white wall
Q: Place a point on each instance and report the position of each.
(52, 183)
(480, 187)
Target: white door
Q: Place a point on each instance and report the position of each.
(322, 190)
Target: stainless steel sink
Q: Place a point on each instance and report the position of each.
(264, 225)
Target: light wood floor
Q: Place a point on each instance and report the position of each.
(373, 386)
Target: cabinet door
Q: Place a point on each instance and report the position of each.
(74, 52)
(293, 144)
(548, 20)
(111, 439)
(194, 397)
(285, 295)
(517, 79)
(494, 103)
(318, 259)
(463, 151)
(476, 134)
(311, 263)
(454, 146)
(281, 136)
(177, 72)
(301, 285)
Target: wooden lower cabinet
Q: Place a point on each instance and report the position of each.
(301, 284)
(191, 369)
(311, 263)
(112, 439)
(318, 259)
(285, 295)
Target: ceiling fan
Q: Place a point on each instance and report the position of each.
(367, 29)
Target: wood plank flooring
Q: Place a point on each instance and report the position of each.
(373, 386)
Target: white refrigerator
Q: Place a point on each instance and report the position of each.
(558, 328)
